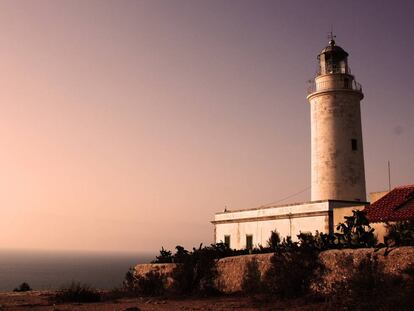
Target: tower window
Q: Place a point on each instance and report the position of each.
(346, 83)
(227, 240)
(249, 241)
(354, 144)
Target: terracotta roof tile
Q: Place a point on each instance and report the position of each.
(397, 205)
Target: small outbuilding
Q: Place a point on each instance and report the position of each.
(396, 205)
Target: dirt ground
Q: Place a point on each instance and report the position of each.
(40, 301)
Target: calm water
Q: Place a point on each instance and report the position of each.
(52, 270)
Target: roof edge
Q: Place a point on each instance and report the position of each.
(267, 206)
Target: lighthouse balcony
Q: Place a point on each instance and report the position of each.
(336, 84)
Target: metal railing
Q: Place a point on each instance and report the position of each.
(333, 85)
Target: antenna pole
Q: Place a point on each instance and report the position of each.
(331, 36)
(389, 176)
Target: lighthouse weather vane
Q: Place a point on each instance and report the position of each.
(331, 37)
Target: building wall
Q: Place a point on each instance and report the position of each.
(340, 212)
(375, 196)
(379, 227)
(261, 230)
(380, 230)
(288, 220)
(337, 170)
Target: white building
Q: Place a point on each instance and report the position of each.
(338, 176)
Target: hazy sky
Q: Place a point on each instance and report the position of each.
(125, 125)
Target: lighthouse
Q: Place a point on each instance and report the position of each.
(337, 156)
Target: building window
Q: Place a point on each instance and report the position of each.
(249, 241)
(227, 240)
(354, 144)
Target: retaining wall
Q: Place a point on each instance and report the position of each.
(338, 266)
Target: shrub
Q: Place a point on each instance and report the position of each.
(77, 292)
(217, 250)
(400, 234)
(195, 274)
(355, 232)
(291, 270)
(181, 254)
(198, 270)
(251, 283)
(320, 241)
(274, 240)
(24, 287)
(130, 282)
(370, 288)
(164, 257)
(149, 285)
(292, 266)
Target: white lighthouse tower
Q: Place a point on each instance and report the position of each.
(337, 149)
(338, 177)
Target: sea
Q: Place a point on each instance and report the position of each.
(49, 270)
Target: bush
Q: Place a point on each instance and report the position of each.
(251, 283)
(181, 254)
(164, 257)
(370, 288)
(149, 285)
(274, 240)
(197, 271)
(130, 280)
(292, 267)
(77, 292)
(400, 234)
(24, 287)
(291, 271)
(195, 274)
(355, 232)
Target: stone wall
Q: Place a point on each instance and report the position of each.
(339, 265)
(164, 269)
(232, 269)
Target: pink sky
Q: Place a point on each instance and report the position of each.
(125, 125)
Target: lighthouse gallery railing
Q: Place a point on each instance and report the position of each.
(328, 85)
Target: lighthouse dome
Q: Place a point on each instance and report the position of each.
(332, 48)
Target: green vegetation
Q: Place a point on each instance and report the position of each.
(252, 283)
(400, 234)
(77, 292)
(369, 288)
(197, 271)
(24, 287)
(274, 240)
(355, 232)
(149, 285)
(293, 268)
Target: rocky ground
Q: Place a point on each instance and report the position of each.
(42, 301)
